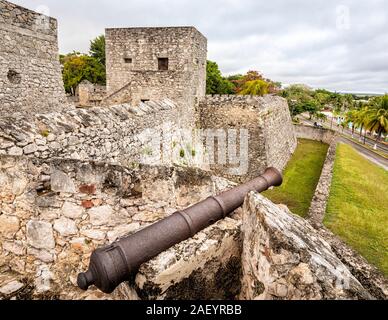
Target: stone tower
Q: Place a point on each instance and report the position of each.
(156, 63)
(30, 72)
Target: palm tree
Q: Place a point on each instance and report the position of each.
(360, 119)
(377, 117)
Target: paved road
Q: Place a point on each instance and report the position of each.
(370, 142)
(372, 156)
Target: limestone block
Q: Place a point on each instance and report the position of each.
(94, 234)
(40, 234)
(284, 258)
(31, 148)
(65, 226)
(11, 287)
(9, 226)
(16, 247)
(61, 182)
(72, 210)
(43, 280)
(15, 151)
(122, 230)
(100, 215)
(42, 255)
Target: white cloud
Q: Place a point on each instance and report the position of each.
(323, 43)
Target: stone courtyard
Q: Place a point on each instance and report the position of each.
(73, 179)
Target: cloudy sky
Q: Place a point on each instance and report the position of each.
(337, 45)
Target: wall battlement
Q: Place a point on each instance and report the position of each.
(111, 134)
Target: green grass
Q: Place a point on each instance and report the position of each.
(358, 206)
(300, 177)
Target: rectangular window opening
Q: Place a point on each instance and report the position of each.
(144, 100)
(128, 60)
(162, 64)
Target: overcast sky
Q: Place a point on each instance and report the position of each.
(337, 45)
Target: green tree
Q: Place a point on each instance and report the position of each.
(78, 67)
(97, 49)
(255, 88)
(215, 83)
(301, 99)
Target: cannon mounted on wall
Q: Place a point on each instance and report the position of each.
(115, 263)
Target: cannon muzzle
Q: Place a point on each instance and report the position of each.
(113, 264)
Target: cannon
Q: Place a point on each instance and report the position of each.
(111, 265)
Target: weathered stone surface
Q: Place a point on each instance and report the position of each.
(65, 226)
(284, 258)
(11, 287)
(61, 182)
(9, 226)
(123, 230)
(270, 138)
(31, 148)
(94, 234)
(312, 133)
(40, 234)
(15, 151)
(72, 210)
(185, 82)
(369, 276)
(16, 247)
(147, 216)
(42, 255)
(100, 215)
(43, 280)
(30, 72)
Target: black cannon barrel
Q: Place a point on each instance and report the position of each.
(113, 264)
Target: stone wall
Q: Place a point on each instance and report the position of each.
(89, 94)
(132, 66)
(119, 134)
(30, 73)
(312, 133)
(318, 204)
(284, 258)
(54, 213)
(267, 119)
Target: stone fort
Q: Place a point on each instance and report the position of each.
(73, 178)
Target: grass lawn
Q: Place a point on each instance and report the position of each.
(300, 177)
(358, 206)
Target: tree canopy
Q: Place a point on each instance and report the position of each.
(215, 82)
(77, 67)
(97, 49)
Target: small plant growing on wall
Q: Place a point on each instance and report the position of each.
(182, 153)
(44, 133)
